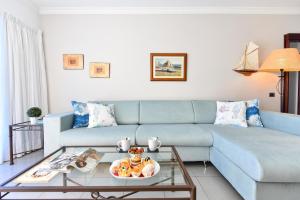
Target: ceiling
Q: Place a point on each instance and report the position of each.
(206, 6)
(133, 3)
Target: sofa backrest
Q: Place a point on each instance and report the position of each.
(126, 112)
(166, 112)
(205, 111)
(288, 123)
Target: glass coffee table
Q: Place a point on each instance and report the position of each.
(172, 179)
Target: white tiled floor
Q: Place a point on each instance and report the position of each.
(211, 185)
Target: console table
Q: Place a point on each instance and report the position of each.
(23, 128)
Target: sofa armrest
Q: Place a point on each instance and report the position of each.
(53, 125)
(288, 123)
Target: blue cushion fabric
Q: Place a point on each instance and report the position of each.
(288, 123)
(126, 112)
(175, 134)
(205, 111)
(81, 114)
(97, 136)
(245, 185)
(166, 112)
(252, 113)
(263, 154)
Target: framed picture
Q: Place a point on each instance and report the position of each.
(73, 61)
(168, 66)
(99, 70)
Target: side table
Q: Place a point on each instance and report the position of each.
(23, 128)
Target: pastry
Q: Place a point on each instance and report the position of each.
(148, 170)
(127, 167)
(123, 171)
(136, 150)
(136, 171)
(115, 169)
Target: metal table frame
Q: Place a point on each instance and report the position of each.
(96, 190)
(24, 127)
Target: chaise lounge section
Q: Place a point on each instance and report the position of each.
(260, 163)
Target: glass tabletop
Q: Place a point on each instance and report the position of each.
(172, 172)
(28, 123)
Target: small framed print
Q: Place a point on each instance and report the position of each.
(73, 61)
(99, 70)
(168, 66)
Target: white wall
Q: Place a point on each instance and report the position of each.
(23, 10)
(214, 44)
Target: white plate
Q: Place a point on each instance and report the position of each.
(117, 162)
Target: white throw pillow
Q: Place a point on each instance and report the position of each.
(101, 115)
(231, 113)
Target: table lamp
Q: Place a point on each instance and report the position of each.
(282, 60)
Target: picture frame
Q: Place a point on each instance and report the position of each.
(73, 61)
(99, 70)
(168, 66)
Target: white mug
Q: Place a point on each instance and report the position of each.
(153, 143)
(124, 144)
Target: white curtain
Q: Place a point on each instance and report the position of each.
(26, 74)
(4, 94)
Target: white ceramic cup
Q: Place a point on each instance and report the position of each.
(124, 144)
(153, 143)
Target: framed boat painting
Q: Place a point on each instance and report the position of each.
(168, 66)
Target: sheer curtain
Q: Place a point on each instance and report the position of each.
(4, 94)
(25, 86)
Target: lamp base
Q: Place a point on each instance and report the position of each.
(281, 92)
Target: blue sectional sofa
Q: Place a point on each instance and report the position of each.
(260, 163)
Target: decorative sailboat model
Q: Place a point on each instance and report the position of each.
(249, 62)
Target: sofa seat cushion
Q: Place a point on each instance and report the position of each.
(263, 154)
(175, 134)
(97, 136)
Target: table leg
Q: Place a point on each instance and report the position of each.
(11, 153)
(64, 174)
(42, 138)
(64, 180)
(173, 175)
(173, 170)
(193, 193)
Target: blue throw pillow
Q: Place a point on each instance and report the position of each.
(252, 113)
(81, 114)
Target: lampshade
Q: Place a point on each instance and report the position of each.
(287, 59)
